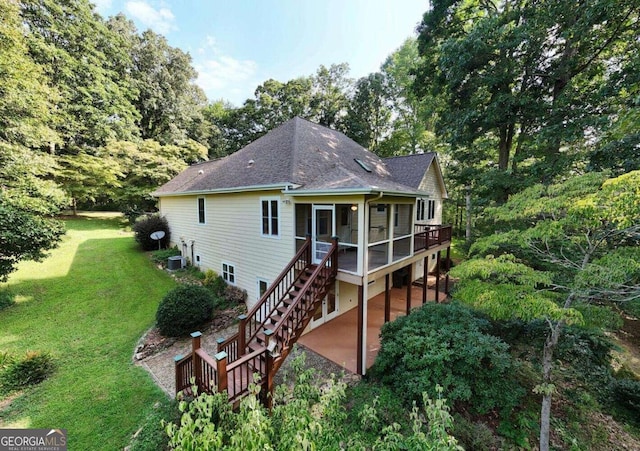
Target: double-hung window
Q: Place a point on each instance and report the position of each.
(201, 210)
(420, 210)
(270, 217)
(432, 209)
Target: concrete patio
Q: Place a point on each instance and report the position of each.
(337, 339)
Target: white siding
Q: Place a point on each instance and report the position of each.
(232, 234)
(431, 186)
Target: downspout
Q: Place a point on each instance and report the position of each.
(365, 279)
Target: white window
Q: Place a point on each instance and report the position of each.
(432, 209)
(229, 273)
(201, 211)
(270, 217)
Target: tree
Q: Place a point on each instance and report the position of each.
(414, 116)
(368, 118)
(80, 56)
(329, 98)
(168, 101)
(27, 198)
(527, 76)
(584, 231)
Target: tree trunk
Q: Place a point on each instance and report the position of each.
(468, 206)
(547, 366)
(74, 203)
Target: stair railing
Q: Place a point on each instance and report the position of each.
(254, 321)
(291, 325)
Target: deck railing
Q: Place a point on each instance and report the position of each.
(428, 236)
(253, 322)
(289, 328)
(270, 348)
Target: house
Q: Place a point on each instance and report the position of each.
(247, 215)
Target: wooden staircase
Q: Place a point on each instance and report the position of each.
(266, 334)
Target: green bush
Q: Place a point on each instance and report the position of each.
(20, 373)
(214, 282)
(626, 393)
(161, 256)
(145, 226)
(183, 309)
(445, 344)
(6, 299)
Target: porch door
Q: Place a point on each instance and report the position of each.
(328, 309)
(323, 229)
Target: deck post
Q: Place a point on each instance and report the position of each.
(242, 325)
(179, 381)
(446, 280)
(266, 393)
(221, 370)
(438, 278)
(197, 363)
(425, 276)
(359, 357)
(387, 300)
(219, 341)
(334, 255)
(409, 284)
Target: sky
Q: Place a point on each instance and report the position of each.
(236, 45)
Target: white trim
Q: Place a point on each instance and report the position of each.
(233, 272)
(238, 189)
(269, 200)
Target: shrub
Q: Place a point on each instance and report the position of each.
(183, 309)
(234, 295)
(6, 299)
(214, 282)
(33, 369)
(445, 344)
(626, 393)
(161, 256)
(145, 226)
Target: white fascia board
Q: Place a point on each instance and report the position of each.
(238, 189)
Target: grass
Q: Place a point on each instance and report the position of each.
(87, 304)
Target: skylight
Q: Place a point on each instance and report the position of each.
(362, 164)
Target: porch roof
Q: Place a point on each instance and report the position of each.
(299, 155)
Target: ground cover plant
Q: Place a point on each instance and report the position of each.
(86, 305)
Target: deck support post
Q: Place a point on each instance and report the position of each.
(197, 363)
(359, 357)
(409, 284)
(387, 300)
(425, 275)
(242, 335)
(178, 374)
(446, 280)
(438, 278)
(221, 370)
(266, 390)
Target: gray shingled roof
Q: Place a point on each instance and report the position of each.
(299, 154)
(410, 169)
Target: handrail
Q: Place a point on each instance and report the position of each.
(304, 291)
(257, 316)
(433, 235)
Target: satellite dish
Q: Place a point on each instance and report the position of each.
(157, 236)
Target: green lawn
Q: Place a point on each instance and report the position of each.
(87, 304)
